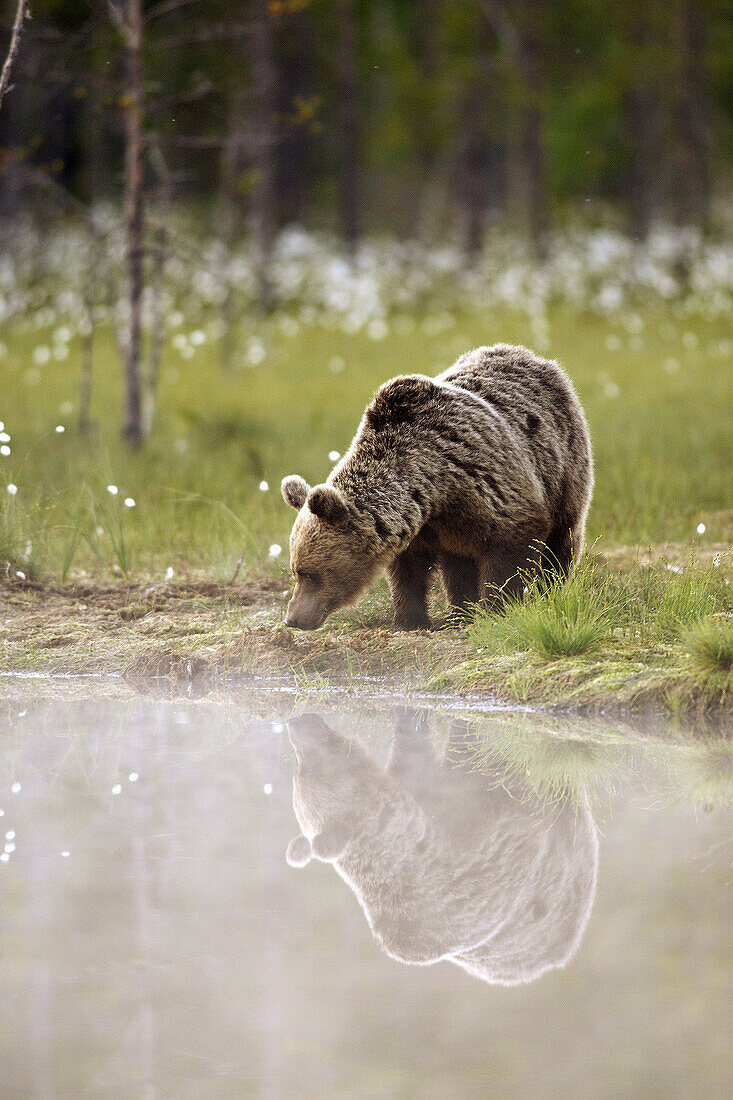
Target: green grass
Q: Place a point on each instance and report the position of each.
(710, 642)
(646, 638)
(553, 619)
(661, 437)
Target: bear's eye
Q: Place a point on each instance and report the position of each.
(312, 577)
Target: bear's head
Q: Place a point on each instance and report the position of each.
(334, 552)
(333, 790)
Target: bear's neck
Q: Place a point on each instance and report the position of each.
(380, 483)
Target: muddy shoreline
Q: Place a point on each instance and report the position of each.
(196, 638)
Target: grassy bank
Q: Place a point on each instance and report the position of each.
(640, 640)
(138, 579)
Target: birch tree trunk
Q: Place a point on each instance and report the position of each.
(132, 429)
(348, 126)
(263, 65)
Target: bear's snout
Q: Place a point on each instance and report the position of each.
(300, 621)
(305, 613)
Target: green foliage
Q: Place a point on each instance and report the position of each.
(431, 77)
(663, 601)
(553, 619)
(710, 643)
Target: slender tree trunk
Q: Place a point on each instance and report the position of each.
(692, 180)
(132, 429)
(160, 254)
(229, 221)
(348, 126)
(642, 110)
(532, 66)
(87, 369)
(518, 30)
(20, 15)
(263, 64)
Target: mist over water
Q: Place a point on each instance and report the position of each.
(268, 897)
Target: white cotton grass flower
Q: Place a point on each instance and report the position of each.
(129, 502)
(4, 857)
(334, 456)
(12, 489)
(99, 530)
(133, 777)
(10, 835)
(169, 573)
(2, 426)
(275, 550)
(60, 352)
(65, 854)
(112, 490)
(16, 788)
(255, 352)
(197, 337)
(66, 408)
(5, 450)
(4, 437)
(336, 364)
(701, 528)
(60, 429)
(10, 847)
(21, 574)
(264, 487)
(41, 355)
(267, 788)
(117, 789)
(376, 329)
(611, 390)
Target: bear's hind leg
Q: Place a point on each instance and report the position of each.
(409, 582)
(562, 547)
(505, 574)
(462, 578)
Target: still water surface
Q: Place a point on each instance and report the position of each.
(220, 900)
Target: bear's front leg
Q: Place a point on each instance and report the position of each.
(409, 583)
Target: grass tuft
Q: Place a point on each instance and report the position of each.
(554, 619)
(710, 643)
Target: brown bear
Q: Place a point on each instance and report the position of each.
(484, 472)
(448, 861)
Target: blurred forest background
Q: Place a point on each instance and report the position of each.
(417, 118)
(232, 221)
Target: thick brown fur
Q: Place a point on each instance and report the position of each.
(482, 473)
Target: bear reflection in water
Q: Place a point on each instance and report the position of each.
(447, 861)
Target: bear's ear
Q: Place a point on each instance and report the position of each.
(327, 503)
(294, 491)
(331, 841)
(299, 851)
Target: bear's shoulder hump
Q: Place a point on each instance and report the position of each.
(400, 399)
